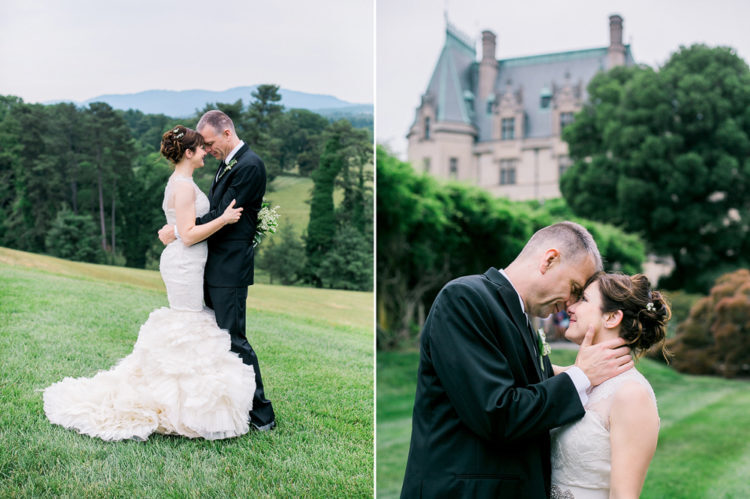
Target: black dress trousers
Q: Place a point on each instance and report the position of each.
(229, 305)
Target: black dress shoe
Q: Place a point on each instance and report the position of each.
(266, 427)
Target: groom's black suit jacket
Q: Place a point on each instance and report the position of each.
(230, 262)
(483, 407)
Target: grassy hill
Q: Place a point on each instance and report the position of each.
(61, 318)
(292, 194)
(703, 450)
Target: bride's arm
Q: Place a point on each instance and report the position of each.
(633, 432)
(184, 203)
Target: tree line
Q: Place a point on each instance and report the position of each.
(86, 183)
(430, 232)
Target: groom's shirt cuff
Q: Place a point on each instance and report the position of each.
(581, 382)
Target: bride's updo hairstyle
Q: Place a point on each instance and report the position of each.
(645, 311)
(177, 140)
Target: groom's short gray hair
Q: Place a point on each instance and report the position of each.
(217, 120)
(572, 239)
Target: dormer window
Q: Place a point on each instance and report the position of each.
(545, 98)
(508, 129)
(427, 127)
(469, 99)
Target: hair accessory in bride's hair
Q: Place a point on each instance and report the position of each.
(177, 133)
(650, 307)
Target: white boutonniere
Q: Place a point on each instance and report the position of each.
(544, 348)
(227, 168)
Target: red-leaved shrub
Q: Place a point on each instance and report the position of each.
(715, 338)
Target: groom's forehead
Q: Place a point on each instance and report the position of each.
(579, 272)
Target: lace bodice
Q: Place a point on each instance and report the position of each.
(581, 462)
(201, 201)
(182, 266)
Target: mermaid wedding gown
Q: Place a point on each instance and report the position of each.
(581, 463)
(181, 377)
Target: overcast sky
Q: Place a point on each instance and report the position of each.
(78, 49)
(410, 35)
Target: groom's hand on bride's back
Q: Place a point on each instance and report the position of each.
(603, 360)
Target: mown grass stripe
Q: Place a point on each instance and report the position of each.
(704, 444)
(733, 482)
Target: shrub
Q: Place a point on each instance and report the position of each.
(282, 256)
(680, 302)
(715, 338)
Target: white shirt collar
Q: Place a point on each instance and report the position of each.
(523, 309)
(233, 152)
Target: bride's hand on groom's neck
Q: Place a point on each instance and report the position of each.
(604, 360)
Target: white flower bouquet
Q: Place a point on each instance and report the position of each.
(268, 222)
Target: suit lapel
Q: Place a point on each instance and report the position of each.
(242, 151)
(217, 180)
(511, 300)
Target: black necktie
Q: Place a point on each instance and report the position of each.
(534, 336)
(218, 172)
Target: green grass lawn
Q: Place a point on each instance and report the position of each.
(60, 319)
(292, 195)
(703, 450)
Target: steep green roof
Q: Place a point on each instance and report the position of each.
(570, 55)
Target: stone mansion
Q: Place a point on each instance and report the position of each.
(497, 123)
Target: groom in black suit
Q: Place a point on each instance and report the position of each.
(241, 176)
(486, 396)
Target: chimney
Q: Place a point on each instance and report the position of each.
(487, 67)
(616, 51)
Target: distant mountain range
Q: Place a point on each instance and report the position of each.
(183, 103)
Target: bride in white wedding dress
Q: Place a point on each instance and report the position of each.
(181, 377)
(607, 452)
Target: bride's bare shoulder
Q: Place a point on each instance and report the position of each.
(633, 401)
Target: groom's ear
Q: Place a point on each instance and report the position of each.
(550, 258)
